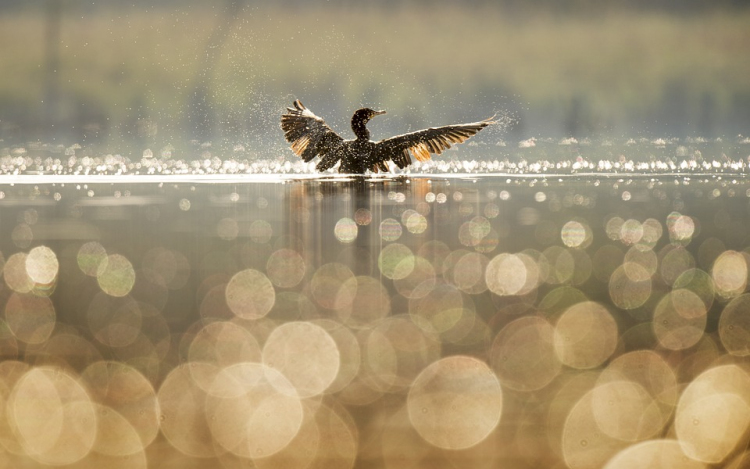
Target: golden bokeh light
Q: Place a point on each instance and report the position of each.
(674, 262)
(117, 437)
(249, 294)
(182, 402)
(89, 256)
(253, 411)
(631, 232)
(681, 227)
(22, 235)
(363, 217)
(698, 282)
(584, 445)
(613, 228)
(523, 354)
(455, 402)
(261, 231)
(227, 229)
(575, 234)
(346, 230)
(301, 451)
(54, 417)
(305, 354)
(396, 261)
(506, 274)
(679, 319)
(166, 266)
(390, 229)
(371, 301)
(395, 351)
(349, 353)
(435, 252)
(734, 326)
(468, 273)
(224, 343)
(416, 223)
(730, 273)
(285, 268)
(439, 310)
(114, 322)
(385, 322)
(652, 233)
(711, 427)
(642, 256)
(116, 276)
(42, 265)
(30, 318)
(15, 274)
(331, 286)
(127, 406)
(653, 454)
(420, 281)
(713, 413)
(585, 335)
(625, 410)
(630, 286)
(338, 445)
(561, 264)
(649, 370)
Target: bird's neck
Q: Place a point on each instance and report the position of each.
(359, 127)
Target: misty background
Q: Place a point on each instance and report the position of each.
(163, 73)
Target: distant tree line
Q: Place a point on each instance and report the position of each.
(679, 104)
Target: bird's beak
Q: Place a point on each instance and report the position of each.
(377, 113)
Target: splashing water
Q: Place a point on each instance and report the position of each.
(531, 157)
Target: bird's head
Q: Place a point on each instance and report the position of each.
(365, 114)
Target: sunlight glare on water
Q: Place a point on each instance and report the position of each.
(547, 156)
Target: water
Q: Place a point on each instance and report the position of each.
(220, 315)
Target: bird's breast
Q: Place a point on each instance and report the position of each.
(360, 148)
(358, 156)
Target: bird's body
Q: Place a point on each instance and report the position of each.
(310, 136)
(356, 157)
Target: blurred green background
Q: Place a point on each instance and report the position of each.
(156, 73)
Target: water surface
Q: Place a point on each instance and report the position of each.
(223, 319)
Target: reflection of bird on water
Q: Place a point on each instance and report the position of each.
(310, 136)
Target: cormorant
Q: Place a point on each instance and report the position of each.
(310, 136)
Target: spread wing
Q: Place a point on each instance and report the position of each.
(310, 136)
(421, 143)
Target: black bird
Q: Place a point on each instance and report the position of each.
(310, 136)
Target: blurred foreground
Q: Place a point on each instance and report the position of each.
(484, 322)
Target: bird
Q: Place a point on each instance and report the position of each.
(310, 136)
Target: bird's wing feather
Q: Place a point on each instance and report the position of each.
(310, 136)
(423, 142)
